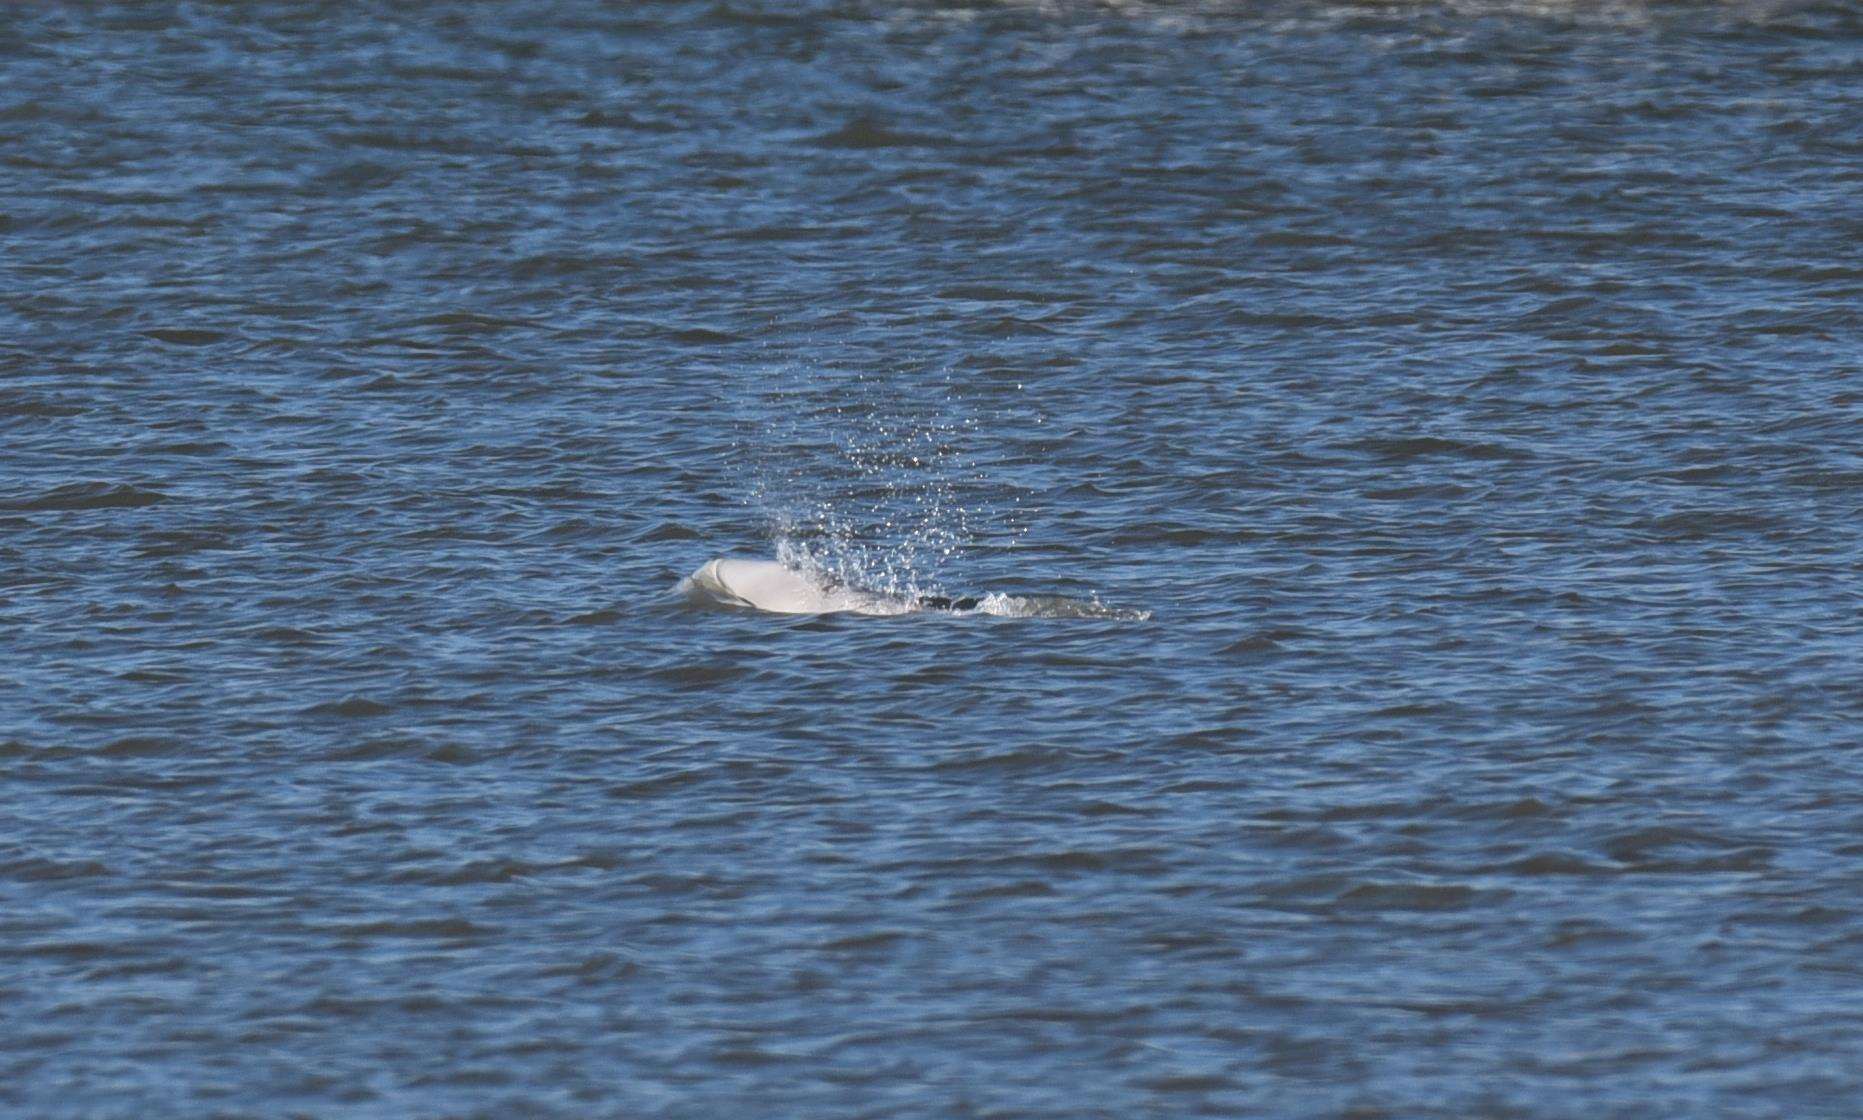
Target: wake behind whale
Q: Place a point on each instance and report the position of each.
(775, 588)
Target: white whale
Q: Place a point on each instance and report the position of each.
(766, 585)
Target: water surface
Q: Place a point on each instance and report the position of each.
(1468, 391)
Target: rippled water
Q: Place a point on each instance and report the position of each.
(1468, 391)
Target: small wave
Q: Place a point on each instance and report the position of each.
(863, 133)
(353, 707)
(88, 495)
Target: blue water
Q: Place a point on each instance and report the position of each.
(1466, 394)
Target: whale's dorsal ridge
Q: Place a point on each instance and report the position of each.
(767, 585)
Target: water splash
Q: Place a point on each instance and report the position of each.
(871, 484)
(873, 489)
(1056, 606)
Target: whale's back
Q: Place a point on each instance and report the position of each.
(764, 585)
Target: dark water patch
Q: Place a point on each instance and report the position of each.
(667, 531)
(290, 636)
(481, 872)
(698, 677)
(391, 746)
(602, 617)
(201, 448)
(142, 747)
(865, 133)
(20, 749)
(352, 707)
(1415, 896)
(1410, 448)
(655, 786)
(1700, 524)
(989, 293)
(1023, 889)
(1523, 809)
(1253, 646)
(1659, 848)
(142, 969)
(37, 869)
(183, 336)
(19, 405)
(1187, 1083)
(624, 120)
(183, 543)
(601, 967)
(1027, 758)
(88, 495)
(1553, 863)
(440, 929)
(68, 953)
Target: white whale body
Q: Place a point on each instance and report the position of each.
(766, 585)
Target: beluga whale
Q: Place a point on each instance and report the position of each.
(776, 588)
(767, 585)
